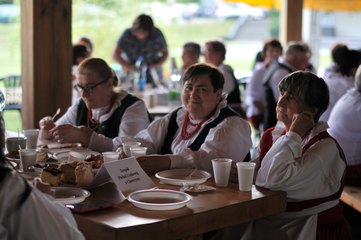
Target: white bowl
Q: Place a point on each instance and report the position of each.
(179, 177)
(159, 199)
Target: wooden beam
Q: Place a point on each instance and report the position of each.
(291, 21)
(46, 58)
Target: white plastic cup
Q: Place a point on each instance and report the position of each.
(32, 138)
(110, 156)
(128, 145)
(138, 151)
(245, 172)
(221, 171)
(27, 158)
(75, 156)
(13, 143)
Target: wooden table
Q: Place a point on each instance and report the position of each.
(352, 197)
(206, 211)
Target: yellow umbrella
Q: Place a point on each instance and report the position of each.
(327, 5)
(333, 5)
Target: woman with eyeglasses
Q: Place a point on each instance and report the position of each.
(102, 115)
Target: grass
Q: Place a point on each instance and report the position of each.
(12, 120)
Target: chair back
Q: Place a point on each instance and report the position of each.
(13, 92)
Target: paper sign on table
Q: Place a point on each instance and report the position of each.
(102, 177)
(127, 175)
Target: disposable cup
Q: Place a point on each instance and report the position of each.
(221, 171)
(110, 156)
(75, 156)
(138, 151)
(245, 175)
(13, 143)
(32, 138)
(27, 158)
(128, 145)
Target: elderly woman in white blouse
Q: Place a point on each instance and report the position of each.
(102, 115)
(202, 129)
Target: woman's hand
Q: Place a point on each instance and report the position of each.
(68, 133)
(46, 124)
(302, 122)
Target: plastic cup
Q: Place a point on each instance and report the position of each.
(221, 171)
(27, 158)
(13, 143)
(75, 156)
(138, 151)
(128, 145)
(245, 175)
(32, 138)
(110, 156)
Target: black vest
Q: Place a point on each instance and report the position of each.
(173, 127)
(110, 127)
(270, 117)
(235, 95)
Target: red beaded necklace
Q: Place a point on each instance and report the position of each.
(187, 135)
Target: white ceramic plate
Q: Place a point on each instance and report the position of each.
(64, 154)
(70, 195)
(55, 145)
(180, 177)
(159, 199)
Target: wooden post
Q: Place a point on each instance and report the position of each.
(46, 58)
(291, 21)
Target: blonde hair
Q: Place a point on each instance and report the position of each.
(98, 67)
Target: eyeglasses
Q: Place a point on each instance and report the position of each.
(88, 88)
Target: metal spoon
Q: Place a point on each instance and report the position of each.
(56, 114)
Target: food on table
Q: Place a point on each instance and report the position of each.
(13, 154)
(51, 175)
(59, 145)
(95, 160)
(79, 173)
(68, 169)
(41, 157)
(83, 174)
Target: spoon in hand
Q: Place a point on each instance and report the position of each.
(56, 114)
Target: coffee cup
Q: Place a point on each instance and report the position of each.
(221, 171)
(27, 158)
(245, 172)
(14, 143)
(128, 145)
(138, 151)
(110, 156)
(32, 138)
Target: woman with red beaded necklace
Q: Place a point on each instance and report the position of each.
(202, 129)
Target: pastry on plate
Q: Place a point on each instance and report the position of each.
(68, 169)
(84, 174)
(51, 175)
